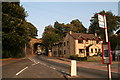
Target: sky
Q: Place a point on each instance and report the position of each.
(42, 14)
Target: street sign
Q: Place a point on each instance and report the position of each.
(101, 21)
(106, 53)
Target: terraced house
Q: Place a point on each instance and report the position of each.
(78, 44)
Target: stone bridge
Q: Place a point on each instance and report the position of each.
(33, 43)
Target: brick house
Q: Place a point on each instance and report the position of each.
(78, 44)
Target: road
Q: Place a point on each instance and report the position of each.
(39, 67)
(82, 72)
(28, 68)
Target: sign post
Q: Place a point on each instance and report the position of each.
(106, 57)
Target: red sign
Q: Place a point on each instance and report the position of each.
(106, 53)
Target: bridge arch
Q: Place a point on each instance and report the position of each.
(34, 42)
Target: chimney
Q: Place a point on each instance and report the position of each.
(70, 32)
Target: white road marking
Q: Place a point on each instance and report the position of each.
(21, 71)
(33, 64)
(54, 68)
(37, 62)
(31, 59)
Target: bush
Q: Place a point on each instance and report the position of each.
(8, 54)
(75, 57)
(94, 59)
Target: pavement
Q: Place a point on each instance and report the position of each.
(93, 65)
(12, 60)
(9, 60)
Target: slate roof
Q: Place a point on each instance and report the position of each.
(84, 36)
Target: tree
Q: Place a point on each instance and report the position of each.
(59, 31)
(114, 40)
(32, 30)
(49, 36)
(14, 9)
(74, 26)
(78, 26)
(112, 23)
(16, 31)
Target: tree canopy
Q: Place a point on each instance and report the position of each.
(50, 36)
(16, 31)
(113, 24)
(57, 32)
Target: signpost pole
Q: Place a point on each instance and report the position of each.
(106, 35)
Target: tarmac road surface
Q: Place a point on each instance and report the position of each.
(43, 67)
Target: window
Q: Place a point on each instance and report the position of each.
(97, 42)
(64, 52)
(81, 50)
(86, 41)
(99, 50)
(95, 50)
(60, 45)
(60, 52)
(54, 52)
(80, 41)
(91, 50)
(64, 43)
(67, 43)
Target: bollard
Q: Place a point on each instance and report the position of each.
(73, 70)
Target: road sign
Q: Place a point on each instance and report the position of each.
(101, 21)
(106, 53)
(107, 57)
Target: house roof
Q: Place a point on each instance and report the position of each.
(84, 36)
(91, 45)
